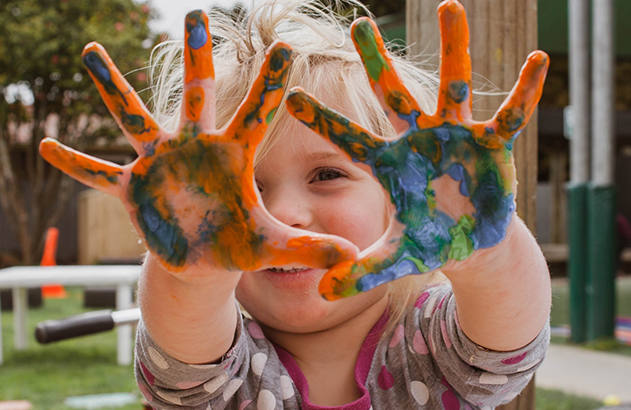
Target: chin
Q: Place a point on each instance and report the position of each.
(297, 315)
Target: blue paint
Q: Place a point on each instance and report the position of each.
(511, 119)
(196, 28)
(405, 168)
(100, 70)
(457, 173)
(164, 237)
(149, 148)
(442, 134)
(401, 267)
(278, 67)
(110, 177)
(133, 123)
(458, 91)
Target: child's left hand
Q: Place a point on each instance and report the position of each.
(451, 179)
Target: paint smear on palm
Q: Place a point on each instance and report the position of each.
(446, 143)
(192, 193)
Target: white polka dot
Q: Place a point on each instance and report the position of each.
(286, 387)
(419, 392)
(265, 400)
(231, 388)
(157, 358)
(258, 363)
(490, 378)
(171, 399)
(203, 366)
(212, 385)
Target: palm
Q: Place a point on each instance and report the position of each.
(191, 193)
(451, 179)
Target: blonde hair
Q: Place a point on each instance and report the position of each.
(324, 59)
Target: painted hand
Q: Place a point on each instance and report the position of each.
(191, 194)
(451, 179)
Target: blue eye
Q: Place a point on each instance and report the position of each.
(327, 174)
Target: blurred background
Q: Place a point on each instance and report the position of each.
(45, 91)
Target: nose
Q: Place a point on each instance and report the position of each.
(289, 207)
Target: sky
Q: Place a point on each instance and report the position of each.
(172, 13)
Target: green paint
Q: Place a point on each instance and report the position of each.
(270, 116)
(133, 123)
(430, 194)
(419, 264)
(461, 245)
(374, 62)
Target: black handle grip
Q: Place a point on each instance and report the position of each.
(79, 325)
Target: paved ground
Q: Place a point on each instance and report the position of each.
(586, 373)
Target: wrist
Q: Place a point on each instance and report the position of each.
(497, 255)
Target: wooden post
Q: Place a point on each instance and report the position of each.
(503, 33)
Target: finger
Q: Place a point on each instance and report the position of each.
(199, 73)
(516, 110)
(401, 108)
(91, 171)
(454, 98)
(120, 98)
(283, 245)
(359, 143)
(258, 108)
(386, 260)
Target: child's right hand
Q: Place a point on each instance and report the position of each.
(191, 194)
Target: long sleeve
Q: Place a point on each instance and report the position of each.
(250, 373)
(432, 362)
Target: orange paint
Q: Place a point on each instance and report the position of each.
(120, 98)
(194, 99)
(198, 62)
(337, 281)
(447, 143)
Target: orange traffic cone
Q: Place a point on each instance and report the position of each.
(52, 291)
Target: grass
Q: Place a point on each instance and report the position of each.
(47, 374)
(560, 314)
(546, 399)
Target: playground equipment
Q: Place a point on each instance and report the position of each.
(54, 290)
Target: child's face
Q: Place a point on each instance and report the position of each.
(307, 183)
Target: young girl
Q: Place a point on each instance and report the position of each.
(472, 341)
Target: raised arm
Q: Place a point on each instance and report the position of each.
(452, 181)
(191, 196)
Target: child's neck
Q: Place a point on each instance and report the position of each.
(327, 358)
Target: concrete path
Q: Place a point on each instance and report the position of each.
(586, 373)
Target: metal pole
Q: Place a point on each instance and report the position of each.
(579, 165)
(601, 197)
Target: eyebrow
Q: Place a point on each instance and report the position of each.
(324, 155)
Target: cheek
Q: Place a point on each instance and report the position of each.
(360, 221)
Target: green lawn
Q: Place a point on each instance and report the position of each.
(47, 374)
(560, 314)
(555, 400)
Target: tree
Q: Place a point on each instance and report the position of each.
(381, 8)
(42, 82)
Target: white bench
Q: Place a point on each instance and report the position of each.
(19, 278)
